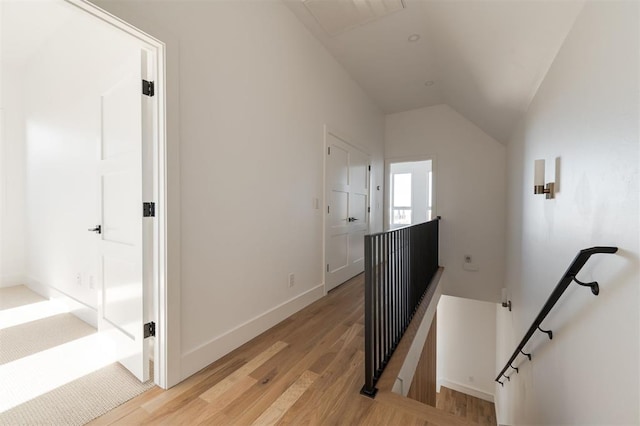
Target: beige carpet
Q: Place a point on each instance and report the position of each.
(35, 336)
(76, 402)
(80, 401)
(12, 297)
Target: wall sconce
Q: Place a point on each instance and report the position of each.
(538, 181)
(505, 303)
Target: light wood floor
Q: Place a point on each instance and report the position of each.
(469, 407)
(306, 370)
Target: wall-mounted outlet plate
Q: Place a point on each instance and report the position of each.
(292, 280)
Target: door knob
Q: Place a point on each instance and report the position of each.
(352, 219)
(97, 229)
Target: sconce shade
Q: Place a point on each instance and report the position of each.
(538, 174)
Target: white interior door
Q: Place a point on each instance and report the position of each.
(347, 220)
(121, 306)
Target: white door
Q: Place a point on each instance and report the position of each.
(121, 307)
(347, 216)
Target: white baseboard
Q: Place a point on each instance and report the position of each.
(205, 354)
(498, 412)
(465, 389)
(12, 280)
(81, 310)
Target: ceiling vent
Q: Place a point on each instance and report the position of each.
(337, 16)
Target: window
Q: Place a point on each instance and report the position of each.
(410, 200)
(401, 199)
(430, 200)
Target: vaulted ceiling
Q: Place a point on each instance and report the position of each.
(486, 59)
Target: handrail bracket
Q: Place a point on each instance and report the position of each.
(527, 355)
(595, 288)
(549, 333)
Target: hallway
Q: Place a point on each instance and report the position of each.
(306, 370)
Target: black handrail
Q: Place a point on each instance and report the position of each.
(568, 277)
(399, 265)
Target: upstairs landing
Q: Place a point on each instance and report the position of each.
(306, 370)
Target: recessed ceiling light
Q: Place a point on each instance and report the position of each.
(414, 37)
(429, 83)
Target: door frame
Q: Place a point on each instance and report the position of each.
(328, 131)
(387, 184)
(166, 366)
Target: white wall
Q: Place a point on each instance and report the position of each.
(469, 178)
(12, 237)
(255, 90)
(466, 346)
(67, 76)
(585, 112)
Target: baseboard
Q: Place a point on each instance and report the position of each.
(205, 354)
(498, 416)
(12, 280)
(80, 309)
(466, 389)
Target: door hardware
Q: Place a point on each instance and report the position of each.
(148, 209)
(149, 329)
(148, 88)
(97, 229)
(352, 219)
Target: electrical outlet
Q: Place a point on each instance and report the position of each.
(292, 280)
(79, 279)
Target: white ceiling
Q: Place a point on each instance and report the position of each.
(486, 58)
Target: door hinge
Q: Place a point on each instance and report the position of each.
(148, 88)
(149, 329)
(148, 209)
(368, 209)
(369, 168)
(327, 267)
(329, 151)
(328, 209)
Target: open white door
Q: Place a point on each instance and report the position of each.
(121, 303)
(347, 220)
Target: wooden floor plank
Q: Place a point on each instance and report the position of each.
(127, 408)
(475, 410)
(273, 414)
(216, 391)
(183, 394)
